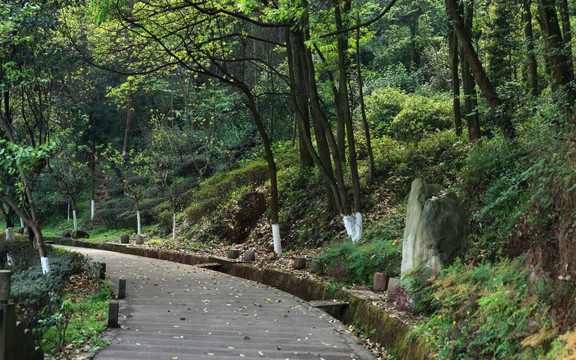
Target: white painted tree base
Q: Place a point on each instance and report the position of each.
(45, 265)
(92, 209)
(138, 222)
(353, 225)
(75, 220)
(21, 223)
(277, 239)
(173, 226)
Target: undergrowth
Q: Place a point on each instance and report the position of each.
(78, 322)
(488, 311)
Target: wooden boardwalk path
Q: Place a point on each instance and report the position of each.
(175, 311)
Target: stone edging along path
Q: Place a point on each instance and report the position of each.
(375, 322)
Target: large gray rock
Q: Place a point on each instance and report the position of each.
(436, 228)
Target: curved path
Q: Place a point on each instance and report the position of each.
(176, 311)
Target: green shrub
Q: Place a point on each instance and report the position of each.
(380, 250)
(216, 191)
(18, 249)
(34, 291)
(438, 158)
(404, 116)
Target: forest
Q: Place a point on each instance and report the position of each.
(298, 127)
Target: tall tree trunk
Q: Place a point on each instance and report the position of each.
(354, 222)
(532, 65)
(93, 184)
(341, 95)
(362, 105)
(495, 103)
(129, 116)
(560, 62)
(414, 59)
(322, 123)
(453, 49)
(566, 33)
(274, 205)
(299, 102)
(468, 83)
(312, 103)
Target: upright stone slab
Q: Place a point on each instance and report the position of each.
(139, 239)
(299, 263)
(124, 238)
(249, 255)
(233, 254)
(380, 282)
(436, 228)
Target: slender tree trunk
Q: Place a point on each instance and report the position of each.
(468, 83)
(322, 123)
(75, 222)
(495, 103)
(355, 231)
(93, 185)
(129, 116)
(310, 103)
(414, 60)
(560, 62)
(363, 106)
(299, 102)
(341, 94)
(566, 33)
(532, 65)
(274, 205)
(453, 49)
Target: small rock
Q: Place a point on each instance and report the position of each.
(380, 282)
(249, 255)
(139, 239)
(233, 253)
(124, 238)
(393, 283)
(299, 263)
(80, 234)
(66, 233)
